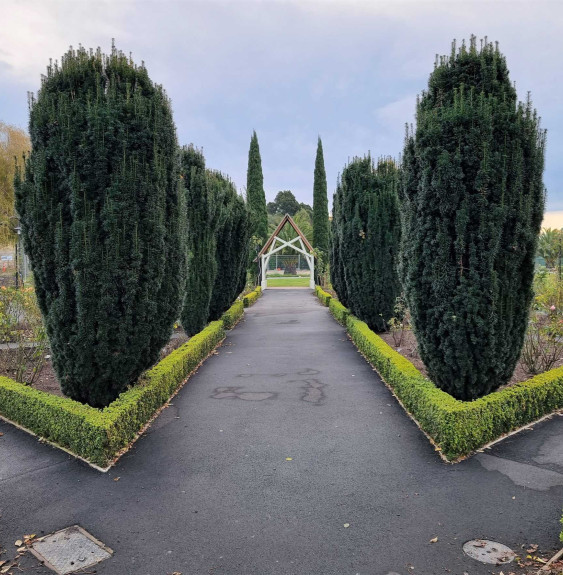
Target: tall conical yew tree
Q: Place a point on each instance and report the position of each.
(336, 265)
(255, 194)
(321, 227)
(232, 243)
(473, 201)
(368, 217)
(203, 202)
(101, 213)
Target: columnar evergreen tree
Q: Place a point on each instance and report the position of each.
(368, 239)
(337, 278)
(255, 194)
(203, 202)
(321, 227)
(100, 208)
(473, 200)
(232, 243)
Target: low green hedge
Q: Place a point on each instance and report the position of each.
(231, 317)
(340, 312)
(251, 297)
(97, 435)
(457, 427)
(323, 296)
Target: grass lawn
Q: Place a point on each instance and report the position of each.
(288, 282)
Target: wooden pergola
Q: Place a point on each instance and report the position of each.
(276, 244)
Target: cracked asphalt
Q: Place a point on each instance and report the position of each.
(277, 443)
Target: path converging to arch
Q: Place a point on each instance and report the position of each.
(285, 454)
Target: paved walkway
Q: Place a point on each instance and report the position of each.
(209, 489)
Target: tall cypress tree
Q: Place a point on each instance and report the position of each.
(203, 202)
(368, 217)
(473, 201)
(255, 194)
(101, 212)
(320, 203)
(321, 227)
(232, 243)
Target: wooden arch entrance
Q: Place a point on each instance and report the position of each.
(275, 244)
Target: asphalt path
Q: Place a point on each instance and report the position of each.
(285, 454)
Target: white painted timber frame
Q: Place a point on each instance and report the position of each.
(276, 244)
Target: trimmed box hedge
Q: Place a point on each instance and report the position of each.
(98, 434)
(457, 427)
(232, 316)
(323, 296)
(339, 312)
(251, 297)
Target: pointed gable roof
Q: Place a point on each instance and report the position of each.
(286, 219)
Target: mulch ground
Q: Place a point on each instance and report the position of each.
(408, 348)
(46, 379)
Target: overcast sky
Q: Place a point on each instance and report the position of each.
(291, 70)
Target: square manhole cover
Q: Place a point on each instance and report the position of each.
(69, 550)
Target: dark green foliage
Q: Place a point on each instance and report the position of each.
(337, 278)
(367, 239)
(98, 435)
(473, 200)
(284, 203)
(457, 427)
(320, 203)
(232, 244)
(203, 209)
(101, 215)
(321, 224)
(255, 196)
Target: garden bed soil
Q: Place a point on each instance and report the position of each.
(46, 379)
(408, 349)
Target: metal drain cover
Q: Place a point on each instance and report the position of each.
(69, 550)
(489, 552)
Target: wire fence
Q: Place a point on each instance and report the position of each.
(287, 264)
(14, 266)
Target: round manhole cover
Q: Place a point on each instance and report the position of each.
(489, 552)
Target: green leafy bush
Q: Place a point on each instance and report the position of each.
(231, 317)
(232, 247)
(457, 427)
(472, 202)
(323, 296)
(338, 311)
(23, 339)
(367, 227)
(98, 434)
(100, 209)
(250, 298)
(203, 202)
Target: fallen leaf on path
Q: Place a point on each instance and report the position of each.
(434, 540)
(289, 458)
(346, 525)
(116, 478)
(532, 549)
(18, 543)
(1, 434)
